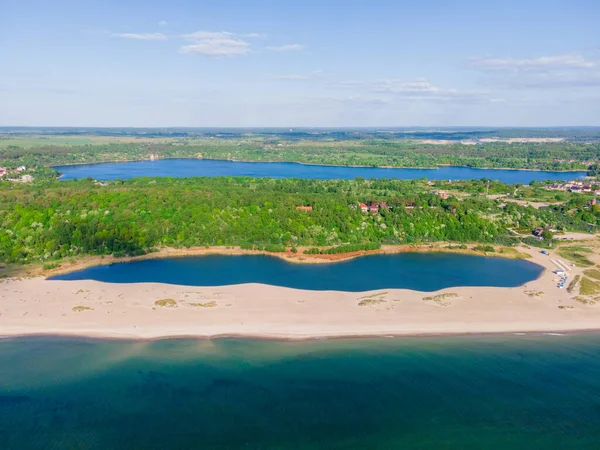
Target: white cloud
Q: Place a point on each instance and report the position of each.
(347, 84)
(540, 63)
(307, 76)
(255, 35)
(355, 100)
(560, 71)
(163, 23)
(217, 44)
(286, 48)
(141, 36)
(548, 80)
(290, 77)
(416, 90)
(421, 89)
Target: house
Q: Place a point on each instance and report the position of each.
(384, 205)
(2, 171)
(441, 194)
(304, 208)
(363, 207)
(26, 179)
(592, 202)
(21, 169)
(374, 209)
(538, 232)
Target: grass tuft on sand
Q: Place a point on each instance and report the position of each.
(373, 299)
(585, 301)
(577, 255)
(510, 252)
(573, 284)
(588, 287)
(166, 303)
(592, 273)
(441, 299)
(534, 293)
(212, 304)
(370, 302)
(82, 308)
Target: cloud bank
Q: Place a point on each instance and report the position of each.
(217, 44)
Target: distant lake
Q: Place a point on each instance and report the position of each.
(428, 393)
(181, 168)
(417, 271)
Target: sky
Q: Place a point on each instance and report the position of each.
(310, 63)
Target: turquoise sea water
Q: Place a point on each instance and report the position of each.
(214, 168)
(492, 392)
(418, 271)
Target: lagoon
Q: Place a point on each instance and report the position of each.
(181, 168)
(467, 393)
(418, 271)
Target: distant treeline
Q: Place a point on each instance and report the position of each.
(372, 152)
(344, 133)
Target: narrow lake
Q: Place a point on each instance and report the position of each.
(181, 168)
(458, 393)
(419, 271)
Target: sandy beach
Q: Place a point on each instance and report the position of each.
(33, 306)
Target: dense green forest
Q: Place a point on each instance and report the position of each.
(372, 151)
(50, 220)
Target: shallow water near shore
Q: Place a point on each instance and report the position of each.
(181, 168)
(418, 271)
(472, 392)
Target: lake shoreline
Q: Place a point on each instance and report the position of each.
(436, 167)
(87, 262)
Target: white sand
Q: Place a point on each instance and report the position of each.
(38, 306)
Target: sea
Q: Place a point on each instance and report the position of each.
(504, 392)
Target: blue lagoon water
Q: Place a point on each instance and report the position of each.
(418, 271)
(182, 168)
(464, 393)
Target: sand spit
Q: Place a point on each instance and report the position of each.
(152, 310)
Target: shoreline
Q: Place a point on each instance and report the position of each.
(287, 338)
(86, 262)
(436, 167)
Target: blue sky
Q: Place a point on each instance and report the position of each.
(291, 63)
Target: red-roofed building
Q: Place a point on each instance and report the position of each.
(441, 194)
(304, 208)
(363, 207)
